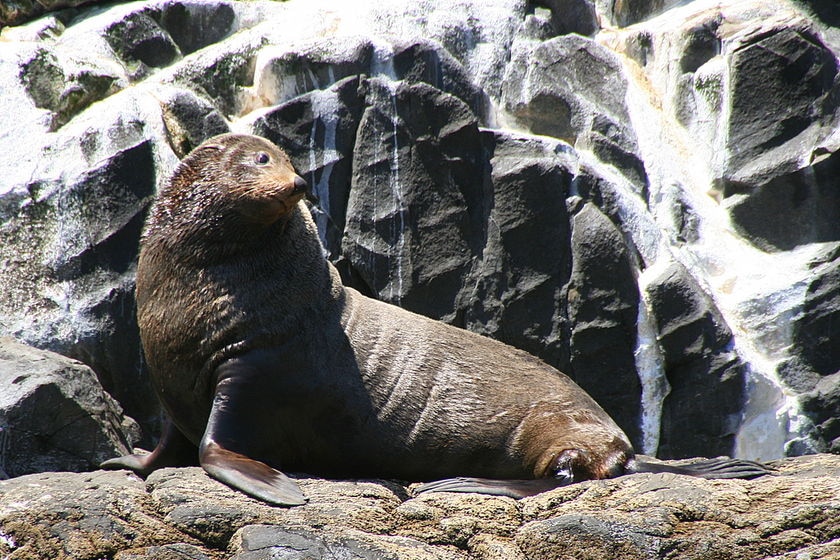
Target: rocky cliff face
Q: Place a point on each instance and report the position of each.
(644, 194)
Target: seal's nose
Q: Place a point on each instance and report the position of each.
(301, 186)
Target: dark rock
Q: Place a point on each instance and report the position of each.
(63, 91)
(54, 415)
(189, 121)
(811, 368)
(603, 306)
(428, 62)
(414, 200)
(613, 144)
(195, 25)
(823, 403)
(770, 128)
(792, 209)
(141, 44)
(175, 551)
(17, 12)
(515, 292)
(699, 360)
(43, 79)
(825, 10)
(267, 542)
(572, 16)
(815, 335)
(817, 329)
(628, 12)
(222, 76)
(572, 75)
(702, 44)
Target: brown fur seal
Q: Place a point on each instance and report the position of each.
(263, 360)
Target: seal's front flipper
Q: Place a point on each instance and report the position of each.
(255, 478)
(511, 488)
(236, 433)
(173, 450)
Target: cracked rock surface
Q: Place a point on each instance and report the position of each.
(182, 513)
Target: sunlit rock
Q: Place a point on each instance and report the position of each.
(574, 89)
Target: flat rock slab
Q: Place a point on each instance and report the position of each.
(182, 513)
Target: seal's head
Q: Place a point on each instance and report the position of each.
(230, 183)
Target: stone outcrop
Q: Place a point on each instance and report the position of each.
(182, 513)
(54, 415)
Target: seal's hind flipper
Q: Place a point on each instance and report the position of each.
(511, 488)
(718, 468)
(253, 477)
(173, 450)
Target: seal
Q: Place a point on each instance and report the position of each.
(262, 360)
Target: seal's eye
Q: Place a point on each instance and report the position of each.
(262, 158)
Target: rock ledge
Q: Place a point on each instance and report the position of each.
(182, 513)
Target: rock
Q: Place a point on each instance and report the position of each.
(66, 515)
(798, 73)
(572, 88)
(603, 305)
(699, 359)
(628, 12)
(780, 166)
(54, 415)
(62, 86)
(264, 542)
(516, 289)
(414, 197)
(792, 209)
(16, 12)
(141, 44)
(177, 551)
(567, 16)
(674, 517)
(189, 120)
(812, 329)
(71, 280)
(184, 512)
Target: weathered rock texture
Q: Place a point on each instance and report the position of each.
(644, 194)
(182, 513)
(54, 415)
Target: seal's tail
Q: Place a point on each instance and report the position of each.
(721, 467)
